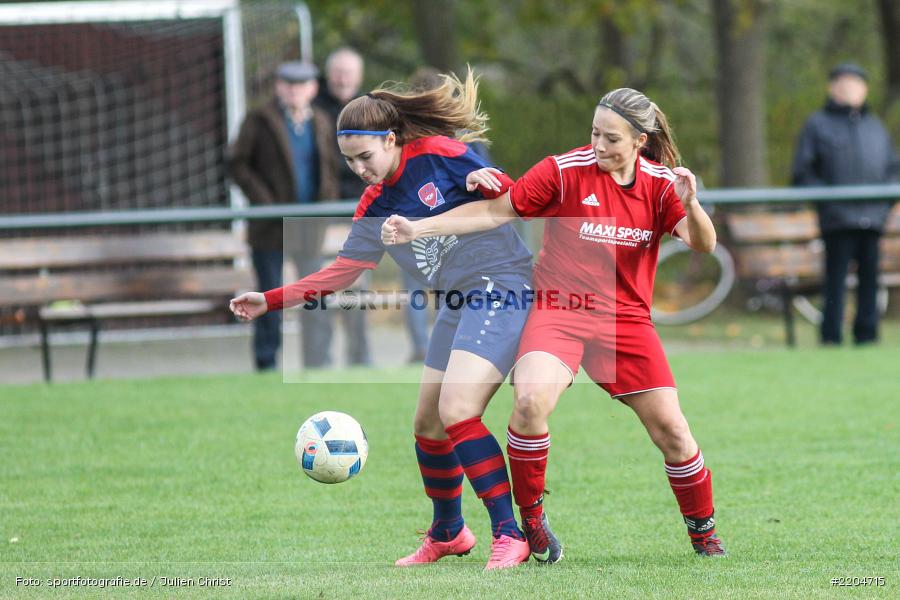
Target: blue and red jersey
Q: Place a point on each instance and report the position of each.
(430, 180)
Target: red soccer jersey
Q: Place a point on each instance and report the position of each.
(596, 223)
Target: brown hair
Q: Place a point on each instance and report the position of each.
(425, 78)
(644, 115)
(450, 109)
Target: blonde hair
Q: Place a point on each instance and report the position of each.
(451, 109)
(645, 116)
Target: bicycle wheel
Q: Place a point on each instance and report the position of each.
(690, 285)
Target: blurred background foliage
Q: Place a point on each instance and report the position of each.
(545, 64)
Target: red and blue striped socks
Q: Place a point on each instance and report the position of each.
(484, 465)
(442, 475)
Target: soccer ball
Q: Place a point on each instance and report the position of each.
(331, 447)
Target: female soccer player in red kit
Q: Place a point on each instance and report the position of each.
(608, 205)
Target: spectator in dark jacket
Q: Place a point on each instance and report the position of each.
(845, 144)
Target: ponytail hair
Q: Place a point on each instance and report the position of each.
(645, 116)
(451, 109)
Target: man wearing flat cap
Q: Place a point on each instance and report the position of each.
(845, 144)
(286, 152)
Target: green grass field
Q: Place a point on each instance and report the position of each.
(196, 477)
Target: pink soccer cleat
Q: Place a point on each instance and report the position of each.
(432, 551)
(507, 552)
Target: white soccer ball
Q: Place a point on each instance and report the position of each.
(331, 447)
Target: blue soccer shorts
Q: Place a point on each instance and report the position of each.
(486, 320)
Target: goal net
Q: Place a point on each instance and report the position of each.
(126, 105)
(129, 105)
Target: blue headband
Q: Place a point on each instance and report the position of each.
(362, 132)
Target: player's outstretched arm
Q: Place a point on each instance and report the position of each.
(468, 218)
(249, 306)
(696, 229)
(337, 276)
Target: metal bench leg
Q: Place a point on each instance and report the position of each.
(92, 348)
(45, 350)
(787, 298)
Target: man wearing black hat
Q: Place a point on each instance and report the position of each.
(845, 144)
(286, 152)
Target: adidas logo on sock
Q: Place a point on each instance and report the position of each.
(591, 201)
(701, 525)
(707, 526)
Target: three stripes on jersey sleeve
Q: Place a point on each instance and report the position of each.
(586, 157)
(656, 170)
(576, 158)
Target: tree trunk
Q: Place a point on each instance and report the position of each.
(435, 25)
(613, 70)
(890, 28)
(616, 63)
(740, 30)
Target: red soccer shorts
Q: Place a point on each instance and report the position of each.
(621, 356)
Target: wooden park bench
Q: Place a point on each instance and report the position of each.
(94, 278)
(783, 252)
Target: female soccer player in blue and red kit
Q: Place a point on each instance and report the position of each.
(608, 205)
(398, 143)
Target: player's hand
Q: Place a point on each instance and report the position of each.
(249, 306)
(486, 177)
(397, 230)
(685, 185)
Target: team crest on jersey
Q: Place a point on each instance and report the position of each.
(430, 195)
(429, 252)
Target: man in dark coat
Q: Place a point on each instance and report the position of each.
(286, 151)
(845, 144)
